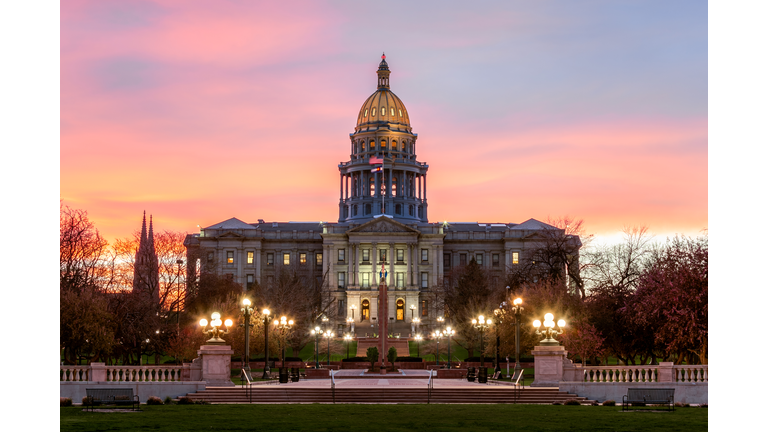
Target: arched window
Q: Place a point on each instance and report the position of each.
(392, 112)
(368, 209)
(394, 145)
(373, 112)
(400, 310)
(366, 113)
(410, 210)
(354, 210)
(372, 145)
(399, 110)
(383, 111)
(383, 143)
(372, 185)
(420, 212)
(403, 144)
(394, 187)
(365, 310)
(398, 209)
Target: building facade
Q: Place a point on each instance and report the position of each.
(382, 223)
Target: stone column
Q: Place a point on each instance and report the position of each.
(351, 269)
(391, 263)
(548, 365)
(216, 364)
(411, 263)
(407, 265)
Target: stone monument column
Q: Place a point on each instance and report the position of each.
(216, 363)
(383, 322)
(548, 365)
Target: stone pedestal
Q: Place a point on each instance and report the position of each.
(215, 364)
(98, 372)
(548, 365)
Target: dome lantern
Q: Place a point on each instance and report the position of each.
(383, 72)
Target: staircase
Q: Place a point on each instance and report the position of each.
(401, 345)
(286, 394)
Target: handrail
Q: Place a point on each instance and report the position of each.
(249, 389)
(430, 386)
(518, 388)
(333, 385)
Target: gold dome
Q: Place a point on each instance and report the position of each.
(383, 108)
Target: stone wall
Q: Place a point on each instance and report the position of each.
(76, 390)
(692, 393)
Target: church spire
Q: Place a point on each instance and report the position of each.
(151, 238)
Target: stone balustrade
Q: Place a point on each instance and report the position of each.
(100, 372)
(663, 372)
(74, 373)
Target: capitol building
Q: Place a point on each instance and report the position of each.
(383, 221)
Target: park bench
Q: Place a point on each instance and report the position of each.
(111, 396)
(644, 396)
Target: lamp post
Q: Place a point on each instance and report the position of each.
(517, 309)
(347, 339)
(482, 325)
(328, 335)
(413, 308)
(316, 332)
(247, 311)
(283, 326)
(437, 335)
(415, 324)
(353, 307)
(265, 375)
(449, 332)
(418, 340)
(500, 313)
(549, 333)
(215, 332)
(351, 324)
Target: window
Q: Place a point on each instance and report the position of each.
(392, 112)
(424, 255)
(425, 280)
(342, 280)
(400, 280)
(479, 258)
(400, 310)
(394, 145)
(230, 257)
(342, 307)
(410, 209)
(341, 254)
(319, 259)
(400, 255)
(250, 257)
(249, 281)
(373, 112)
(286, 259)
(302, 258)
(210, 256)
(365, 310)
(424, 308)
(367, 209)
(270, 280)
(366, 255)
(366, 281)
(270, 259)
(446, 260)
(402, 143)
(398, 208)
(495, 260)
(354, 210)
(383, 255)
(383, 110)
(463, 259)
(366, 113)
(515, 258)
(400, 111)
(383, 143)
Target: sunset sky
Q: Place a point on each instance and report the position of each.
(199, 111)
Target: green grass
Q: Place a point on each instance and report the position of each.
(410, 418)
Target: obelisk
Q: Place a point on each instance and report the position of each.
(383, 319)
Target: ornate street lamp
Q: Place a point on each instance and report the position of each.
(413, 308)
(316, 332)
(549, 333)
(482, 325)
(517, 309)
(214, 331)
(449, 332)
(353, 307)
(437, 335)
(351, 324)
(500, 317)
(247, 310)
(347, 339)
(328, 335)
(415, 324)
(418, 339)
(283, 326)
(265, 313)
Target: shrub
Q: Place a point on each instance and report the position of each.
(86, 401)
(704, 405)
(168, 400)
(557, 403)
(154, 400)
(609, 402)
(680, 405)
(595, 403)
(65, 402)
(572, 402)
(186, 400)
(202, 402)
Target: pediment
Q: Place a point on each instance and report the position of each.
(383, 225)
(230, 234)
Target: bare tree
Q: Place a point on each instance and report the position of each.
(83, 253)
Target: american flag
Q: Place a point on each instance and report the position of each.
(375, 161)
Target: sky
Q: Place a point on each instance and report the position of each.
(198, 111)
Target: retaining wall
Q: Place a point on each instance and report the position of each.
(174, 389)
(692, 393)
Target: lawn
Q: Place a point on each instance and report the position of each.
(410, 418)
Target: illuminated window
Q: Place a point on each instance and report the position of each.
(383, 111)
(515, 258)
(400, 280)
(373, 112)
(286, 259)
(319, 259)
(425, 280)
(383, 144)
(302, 258)
(394, 145)
(400, 255)
(383, 255)
(270, 259)
(401, 112)
(366, 281)
(392, 112)
(366, 113)
(479, 258)
(365, 310)
(341, 254)
(400, 309)
(342, 280)
(372, 145)
(425, 255)
(366, 255)
(250, 258)
(402, 143)
(230, 257)
(495, 260)
(424, 308)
